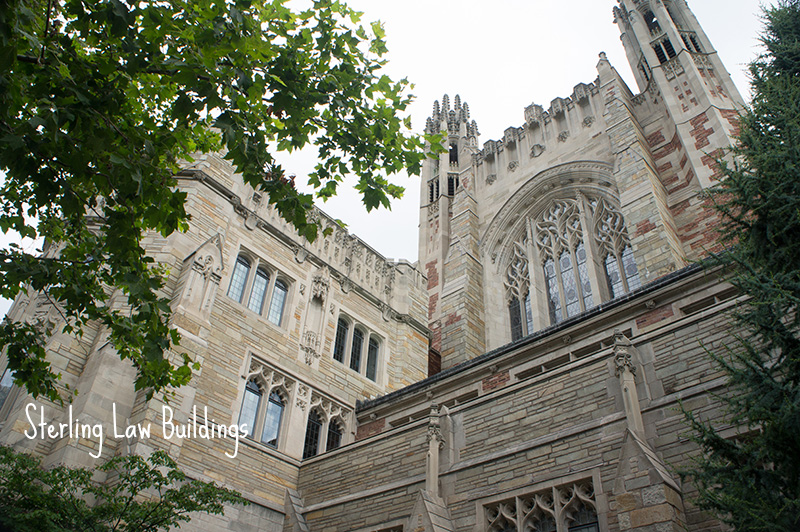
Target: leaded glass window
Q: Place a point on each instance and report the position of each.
(372, 359)
(517, 283)
(313, 430)
(334, 439)
(622, 274)
(272, 420)
(258, 292)
(239, 279)
(250, 403)
(355, 350)
(340, 344)
(278, 301)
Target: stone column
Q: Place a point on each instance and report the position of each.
(435, 443)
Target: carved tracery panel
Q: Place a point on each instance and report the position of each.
(564, 508)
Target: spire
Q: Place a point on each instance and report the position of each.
(453, 117)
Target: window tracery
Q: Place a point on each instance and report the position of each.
(566, 508)
(517, 283)
(580, 255)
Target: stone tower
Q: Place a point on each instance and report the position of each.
(587, 200)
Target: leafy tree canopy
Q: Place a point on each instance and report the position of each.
(753, 481)
(100, 100)
(146, 495)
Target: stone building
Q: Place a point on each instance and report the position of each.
(524, 375)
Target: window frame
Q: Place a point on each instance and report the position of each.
(276, 284)
(363, 355)
(265, 400)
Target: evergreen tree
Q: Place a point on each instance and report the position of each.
(752, 482)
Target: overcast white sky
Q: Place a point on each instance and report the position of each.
(501, 56)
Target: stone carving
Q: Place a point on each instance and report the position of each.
(320, 284)
(673, 68)
(588, 121)
(563, 136)
(202, 271)
(510, 136)
(309, 344)
(623, 354)
(558, 107)
(491, 178)
(537, 150)
(542, 509)
(534, 115)
(517, 278)
(513, 165)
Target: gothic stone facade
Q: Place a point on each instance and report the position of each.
(555, 287)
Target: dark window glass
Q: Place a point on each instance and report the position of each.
(334, 436)
(613, 277)
(696, 44)
(252, 398)
(516, 319)
(584, 519)
(583, 276)
(568, 281)
(372, 359)
(631, 271)
(651, 21)
(668, 47)
(453, 153)
(239, 278)
(553, 298)
(355, 352)
(272, 420)
(340, 344)
(313, 429)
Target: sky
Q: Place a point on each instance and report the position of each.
(500, 57)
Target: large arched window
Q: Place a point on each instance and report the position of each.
(571, 255)
(313, 431)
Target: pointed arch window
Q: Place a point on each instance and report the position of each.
(262, 419)
(250, 404)
(560, 242)
(517, 283)
(278, 302)
(579, 254)
(313, 431)
(372, 359)
(621, 272)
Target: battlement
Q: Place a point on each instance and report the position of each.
(561, 110)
